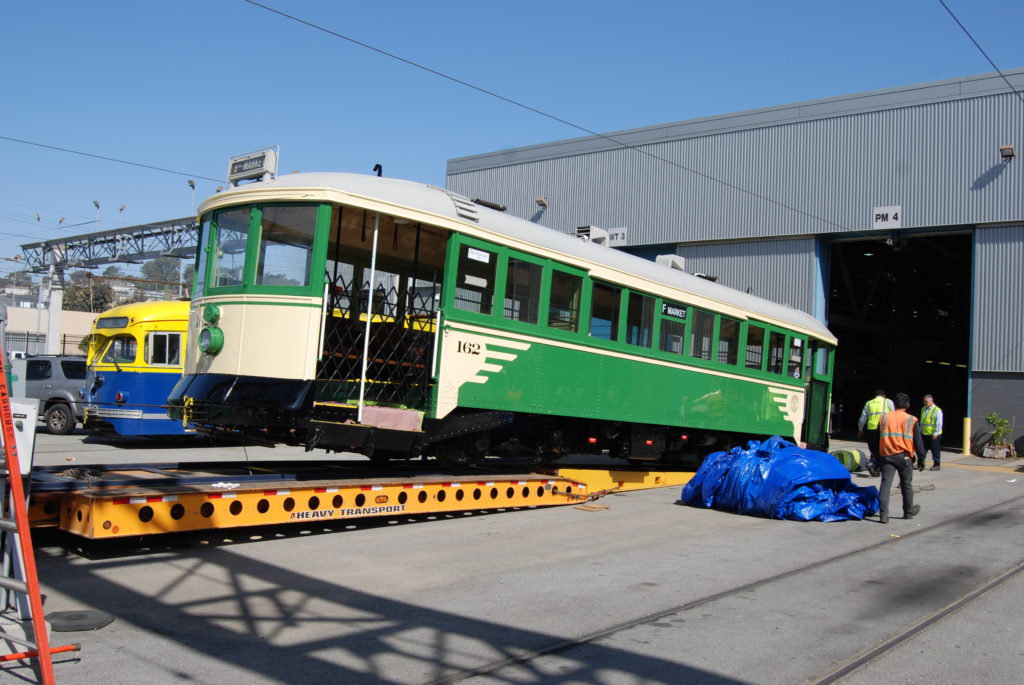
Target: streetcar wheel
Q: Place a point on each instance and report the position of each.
(59, 419)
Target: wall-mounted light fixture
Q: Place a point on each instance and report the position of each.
(1007, 152)
(542, 202)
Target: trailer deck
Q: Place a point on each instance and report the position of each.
(145, 499)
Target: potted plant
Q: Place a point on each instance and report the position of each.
(998, 447)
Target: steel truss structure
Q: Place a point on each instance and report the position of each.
(173, 238)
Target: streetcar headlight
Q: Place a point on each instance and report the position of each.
(211, 313)
(211, 340)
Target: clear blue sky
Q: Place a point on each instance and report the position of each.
(185, 84)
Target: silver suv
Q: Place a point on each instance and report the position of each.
(55, 380)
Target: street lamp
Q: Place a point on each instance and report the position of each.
(192, 185)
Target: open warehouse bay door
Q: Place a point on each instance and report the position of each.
(900, 306)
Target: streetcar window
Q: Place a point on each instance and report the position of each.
(165, 349)
(202, 258)
(340, 279)
(640, 320)
(673, 334)
(700, 338)
(564, 310)
(385, 293)
(474, 287)
(755, 347)
(286, 245)
(423, 296)
(821, 354)
(796, 358)
(111, 322)
(604, 311)
(232, 231)
(728, 340)
(522, 291)
(673, 327)
(776, 352)
(120, 350)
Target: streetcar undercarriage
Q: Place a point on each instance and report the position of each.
(268, 411)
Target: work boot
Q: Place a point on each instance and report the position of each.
(920, 466)
(883, 518)
(934, 468)
(914, 511)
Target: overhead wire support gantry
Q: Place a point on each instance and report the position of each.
(172, 238)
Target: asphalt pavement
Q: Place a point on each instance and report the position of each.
(646, 591)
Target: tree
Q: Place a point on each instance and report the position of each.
(80, 278)
(95, 297)
(162, 269)
(113, 271)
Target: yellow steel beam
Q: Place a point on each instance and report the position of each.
(621, 480)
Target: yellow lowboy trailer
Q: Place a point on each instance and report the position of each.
(132, 501)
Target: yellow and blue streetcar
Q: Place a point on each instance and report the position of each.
(135, 359)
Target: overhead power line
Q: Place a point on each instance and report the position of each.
(542, 113)
(981, 50)
(110, 159)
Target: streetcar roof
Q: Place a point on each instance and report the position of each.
(154, 310)
(427, 198)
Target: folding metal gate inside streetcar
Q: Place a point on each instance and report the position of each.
(383, 288)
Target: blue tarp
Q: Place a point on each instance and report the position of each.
(777, 479)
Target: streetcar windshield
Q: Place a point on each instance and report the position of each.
(286, 245)
(259, 246)
(232, 231)
(120, 350)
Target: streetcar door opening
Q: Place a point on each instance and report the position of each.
(382, 295)
(819, 390)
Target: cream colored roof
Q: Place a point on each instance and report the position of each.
(395, 196)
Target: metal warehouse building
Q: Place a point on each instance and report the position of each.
(895, 216)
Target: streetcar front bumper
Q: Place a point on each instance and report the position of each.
(240, 402)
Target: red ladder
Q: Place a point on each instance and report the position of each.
(14, 528)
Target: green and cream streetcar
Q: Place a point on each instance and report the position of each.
(392, 318)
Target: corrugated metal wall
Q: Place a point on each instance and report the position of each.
(805, 169)
(997, 337)
(782, 271)
(1002, 393)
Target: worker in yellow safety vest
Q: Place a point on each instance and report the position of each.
(869, 419)
(899, 438)
(931, 433)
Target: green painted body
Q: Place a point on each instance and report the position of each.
(551, 379)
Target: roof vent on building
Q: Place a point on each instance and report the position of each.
(672, 261)
(592, 234)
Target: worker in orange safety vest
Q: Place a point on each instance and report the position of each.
(899, 437)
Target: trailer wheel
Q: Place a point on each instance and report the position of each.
(59, 419)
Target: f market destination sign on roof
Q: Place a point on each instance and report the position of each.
(253, 165)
